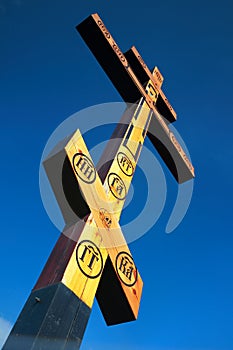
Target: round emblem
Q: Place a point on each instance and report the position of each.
(84, 168)
(89, 259)
(116, 186)
(125, 164)
(126, 269)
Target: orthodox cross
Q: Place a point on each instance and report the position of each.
(91, 257)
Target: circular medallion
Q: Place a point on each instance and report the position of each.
(84, 168)
(125, 164)
(116, 186)
(126, 269)
(89, 259)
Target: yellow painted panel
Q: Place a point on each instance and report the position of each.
(106, 202)
(85, 267)
(109, 234)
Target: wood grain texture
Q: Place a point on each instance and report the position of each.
(111, 238)
(144, 75)
(52, 318)
(120, 72)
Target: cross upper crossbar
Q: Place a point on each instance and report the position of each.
(128, 84)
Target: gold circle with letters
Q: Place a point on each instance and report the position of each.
(89, 259)
(129, 169)
(117, 186)
(84, 168)
(126, 269)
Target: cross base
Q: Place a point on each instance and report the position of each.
(52, 318)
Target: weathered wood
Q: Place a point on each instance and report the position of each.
(144, 75)
(64, 185)
(118, 69)
(52, 318)
(91, 256)
(102, 201)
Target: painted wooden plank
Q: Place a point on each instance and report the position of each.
(110, 235)
(144, 74)
(115, 64)
(49, 321)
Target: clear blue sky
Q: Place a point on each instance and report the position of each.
(47, 74)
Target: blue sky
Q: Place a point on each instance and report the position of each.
(47, 74)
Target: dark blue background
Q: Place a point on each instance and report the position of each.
(47, 74)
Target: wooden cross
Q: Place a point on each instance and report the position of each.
(91, 257)
(129, 74)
